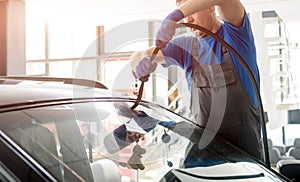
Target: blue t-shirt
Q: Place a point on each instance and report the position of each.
(178, 52)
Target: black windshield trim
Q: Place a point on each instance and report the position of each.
(237, 177)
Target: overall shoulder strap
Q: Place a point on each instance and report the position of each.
(225, 54)
(195, 47)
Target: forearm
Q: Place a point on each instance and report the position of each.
(138, 55)
(231, 11)
(192, 6)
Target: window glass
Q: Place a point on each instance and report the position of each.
(35, 37)
(292, 132)
(48, 135)
(6, 174)
(68, 39)
(103, 139)
(272, 30)
(36, 68)
(71, 140)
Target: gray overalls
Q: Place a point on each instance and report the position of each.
(220, 103)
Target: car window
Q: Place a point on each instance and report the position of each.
(65, 139)
(104, 140)
(52, 138)
(6, 174)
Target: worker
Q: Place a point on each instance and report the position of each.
(221, 89)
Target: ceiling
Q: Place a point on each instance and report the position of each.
(118, 11)
(287, 8)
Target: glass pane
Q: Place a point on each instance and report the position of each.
(49, 136)
(291, 132)
(272, 30)
(35, 37)
(117, 74)
(35, 68)
(65, 139)
(6, 174)
(71, 41)
(62, 68)
(106, 140)
(126, 37)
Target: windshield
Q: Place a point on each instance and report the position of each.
(76, 142)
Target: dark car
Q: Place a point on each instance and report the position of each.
(76, 130)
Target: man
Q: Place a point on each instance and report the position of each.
(221, 90)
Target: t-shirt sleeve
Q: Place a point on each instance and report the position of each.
(177, 52)
(241, 38)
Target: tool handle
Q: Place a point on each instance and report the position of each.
(143, 80)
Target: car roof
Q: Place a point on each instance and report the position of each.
(16, 90)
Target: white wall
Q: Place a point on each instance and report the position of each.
(16, 37)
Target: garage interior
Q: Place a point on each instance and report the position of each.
(93, 39)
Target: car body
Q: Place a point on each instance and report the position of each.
(43, 138)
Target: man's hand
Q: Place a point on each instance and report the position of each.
(144, 68)
(167, 28)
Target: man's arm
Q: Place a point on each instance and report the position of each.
(136, 57)
(231, 11)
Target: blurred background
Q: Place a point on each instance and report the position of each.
(93, 39)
